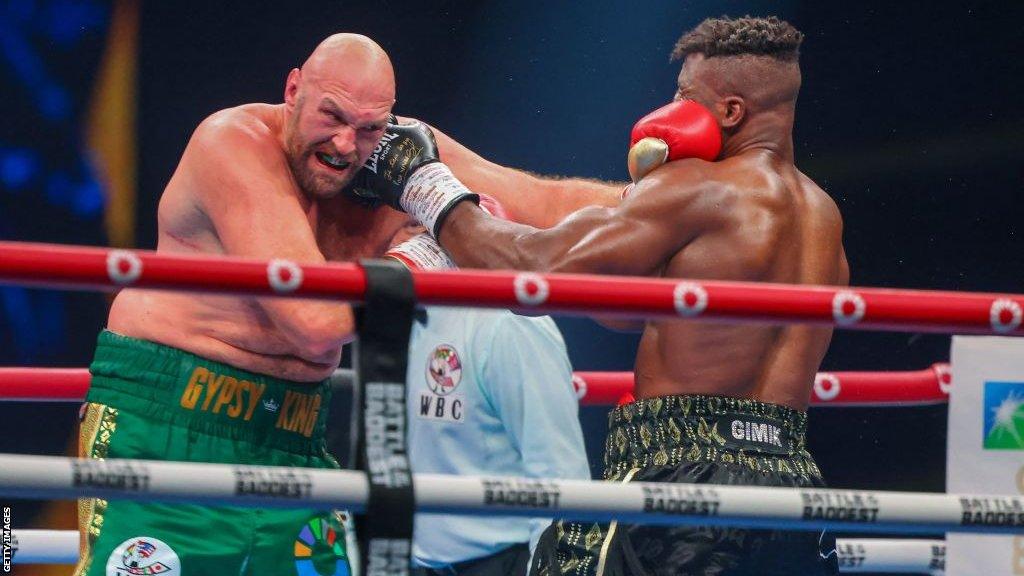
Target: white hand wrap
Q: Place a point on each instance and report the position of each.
(422, 252)
(431, 192)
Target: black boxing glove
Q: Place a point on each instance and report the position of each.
(401, 150)
(363, 188)
(405, 172)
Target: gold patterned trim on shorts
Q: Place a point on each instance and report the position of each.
(603, 556)
(97, 428)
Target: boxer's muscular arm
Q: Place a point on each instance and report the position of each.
(667, 210)
(246, 191)
(844, 268)
(533, 200)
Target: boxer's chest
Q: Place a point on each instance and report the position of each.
(356, 233)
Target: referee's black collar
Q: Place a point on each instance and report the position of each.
(420, 315)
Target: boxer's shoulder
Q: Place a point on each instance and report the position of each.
(685, 186)
(679, 176)
(251, 125)
(243, 140)
(234, 153)
(818, 198)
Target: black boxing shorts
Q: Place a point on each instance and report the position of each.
(703, 440)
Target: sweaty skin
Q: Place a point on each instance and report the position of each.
(255, 182)
(750, 216)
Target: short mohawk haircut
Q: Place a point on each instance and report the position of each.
(740, 36)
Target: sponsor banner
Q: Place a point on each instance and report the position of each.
(121, 475)
(388, 557)
(851, 555)
(385, 430)
(901, 556)
(517, 492)
(670, 499)
(840, 506)
(985, 452)
(937, 562)
(285, 483)
(384, 326)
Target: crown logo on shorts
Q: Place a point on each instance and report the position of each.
(270, 405)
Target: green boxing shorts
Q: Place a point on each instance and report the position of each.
(153, 402)
(696, 439)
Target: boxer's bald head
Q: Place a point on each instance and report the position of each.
(336, 107)
(354, 65)
(745, 70)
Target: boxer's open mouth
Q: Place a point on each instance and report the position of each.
(334, 162)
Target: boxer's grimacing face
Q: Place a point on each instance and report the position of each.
(329, 135)
(336, 109)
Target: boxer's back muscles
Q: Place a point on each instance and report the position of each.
(774, 225)
(233, 194)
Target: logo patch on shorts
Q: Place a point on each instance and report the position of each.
(1004, 416)
(750, 432)
(143, 556)
(320, 550)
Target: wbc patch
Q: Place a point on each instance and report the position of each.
(444, 370)
(444, 373)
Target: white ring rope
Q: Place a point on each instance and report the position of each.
(45, 546)
(856, 556)
(23, 476)
(860, 556)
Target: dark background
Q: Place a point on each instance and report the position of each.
(910, 117)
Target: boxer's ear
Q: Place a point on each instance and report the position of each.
(291, 87)
(734, 110)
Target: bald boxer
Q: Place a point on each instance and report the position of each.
(718, 403)
(203, 378)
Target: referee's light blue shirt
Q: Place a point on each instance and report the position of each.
(490, 393)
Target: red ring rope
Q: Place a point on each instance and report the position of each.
(62, 266)
(857, 308)
(44, 384)
(918, 387)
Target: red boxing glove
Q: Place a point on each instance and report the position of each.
(680, 129)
